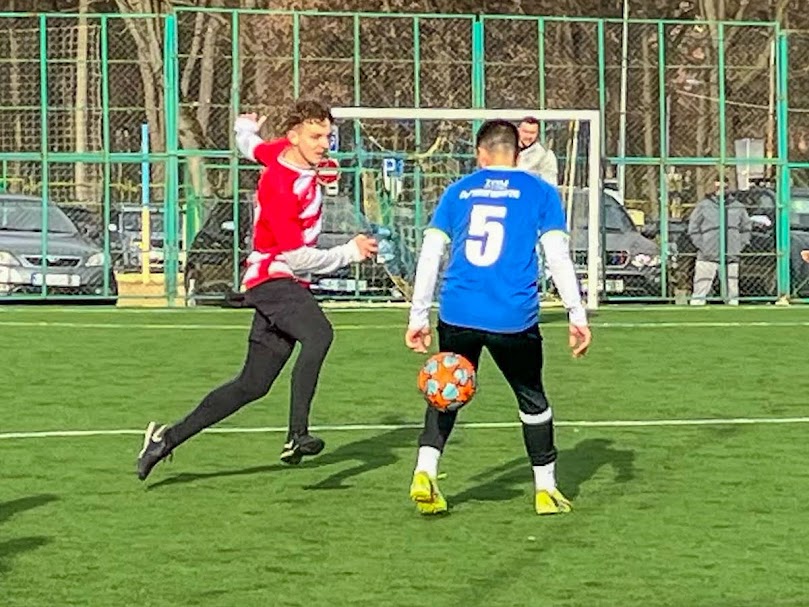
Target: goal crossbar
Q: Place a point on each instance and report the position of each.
(592, 117)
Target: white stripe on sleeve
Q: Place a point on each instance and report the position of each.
(556, 247)
(432, 249)
(310, 260)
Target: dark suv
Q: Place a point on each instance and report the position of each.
(631, 262)
(210, 274)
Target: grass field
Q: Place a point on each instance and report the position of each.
(672, 511)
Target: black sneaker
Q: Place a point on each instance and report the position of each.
(155, 449)
(298, 446)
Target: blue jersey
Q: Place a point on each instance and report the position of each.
(493, 218)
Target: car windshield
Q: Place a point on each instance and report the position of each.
(615, 217)
(27, 216)
(132, 221)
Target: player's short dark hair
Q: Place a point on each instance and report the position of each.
(498, 135)
(306, 110)
(529, 120)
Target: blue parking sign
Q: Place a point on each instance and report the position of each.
(393, 167)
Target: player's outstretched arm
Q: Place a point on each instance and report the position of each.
(418, 336)
(247, 127)
(279, 210)
(309, 260)
(556, 249)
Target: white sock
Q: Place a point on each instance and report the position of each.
(545, 477)
(428, 461)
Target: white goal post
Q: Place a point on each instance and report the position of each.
(591, 117)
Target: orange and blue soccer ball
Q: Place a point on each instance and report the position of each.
(448, 381)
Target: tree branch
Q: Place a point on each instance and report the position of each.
(196, 42)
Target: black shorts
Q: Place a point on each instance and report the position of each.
(517, 355)
(285, 307)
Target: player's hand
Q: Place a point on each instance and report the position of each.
(805, 255)
(253, 117)
(419, 340)
(579, 338)
(367, 246)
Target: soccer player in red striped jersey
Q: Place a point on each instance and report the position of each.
(287, 222)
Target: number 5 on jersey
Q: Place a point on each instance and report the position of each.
(484, 241)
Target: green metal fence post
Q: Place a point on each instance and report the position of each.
(170, 244)
(664, 152)
(541, 53)
(296, 54)
(235, 101)
(105, 137)
(356, 59)
(357, 130)
(43, 122)
(419, 210)
(602, 87)
(723, 241)
(478, 74)
(478, 57)
(783, 198)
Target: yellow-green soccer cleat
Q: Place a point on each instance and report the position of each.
(424, 491)
(551, 502)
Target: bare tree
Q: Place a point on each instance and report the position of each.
(15, 84)
(268, 39)
(80, 109)
(648, 126)
(148, 39)
(198, 73)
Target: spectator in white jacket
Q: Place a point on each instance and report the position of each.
(534, 157)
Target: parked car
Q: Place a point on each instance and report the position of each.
(72, 264)
(630, 261)
(90, 223)
(128, 221)
(209, 267)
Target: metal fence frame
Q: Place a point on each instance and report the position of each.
(174, 158)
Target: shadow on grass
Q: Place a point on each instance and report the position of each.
(11, 548)
(369, 453)
(576, 466)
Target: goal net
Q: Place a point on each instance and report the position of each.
(394, 164)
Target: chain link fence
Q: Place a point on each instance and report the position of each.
(137, 150)
(77, 178)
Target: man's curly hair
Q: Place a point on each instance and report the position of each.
(307, 110)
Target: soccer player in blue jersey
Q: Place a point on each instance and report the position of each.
(489, 298)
